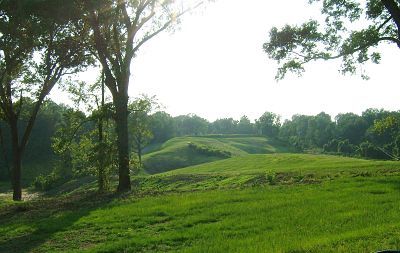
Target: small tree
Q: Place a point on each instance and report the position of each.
(139, 123)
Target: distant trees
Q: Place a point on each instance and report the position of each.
(244, 126)
(163, 127)
(294, 46)
(191, 124)
(268, 124)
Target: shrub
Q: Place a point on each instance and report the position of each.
(50, 181)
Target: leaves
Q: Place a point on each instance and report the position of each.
(294, 46)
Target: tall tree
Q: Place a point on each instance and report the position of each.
(119, 29)
(377, 21)
(268, 124)
(37, 50)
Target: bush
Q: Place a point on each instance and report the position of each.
(50, 181)
(345, 147)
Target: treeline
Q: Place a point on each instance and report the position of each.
(373, 134)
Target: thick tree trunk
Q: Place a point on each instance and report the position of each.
(121, 121)
(16, 177)
(16, 163)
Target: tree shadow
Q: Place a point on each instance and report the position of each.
(393, 182)
(46, 217)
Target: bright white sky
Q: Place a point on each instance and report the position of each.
(214, 66)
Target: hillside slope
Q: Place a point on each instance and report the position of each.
(284, 162)
(346, 214)
(181, 152)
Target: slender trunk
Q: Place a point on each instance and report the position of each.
(101, 168)
(16, 162)
(102, 180)
(139, 149)
(121, 121)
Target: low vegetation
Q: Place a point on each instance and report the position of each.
(339, 205)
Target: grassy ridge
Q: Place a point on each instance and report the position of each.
(176, 152)
(287, 162)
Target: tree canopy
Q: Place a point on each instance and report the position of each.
(350, 30)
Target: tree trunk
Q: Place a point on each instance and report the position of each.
(121, 121)
(101, 168)
(16, 163)
(139, 150)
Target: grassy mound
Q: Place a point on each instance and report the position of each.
(182, 152)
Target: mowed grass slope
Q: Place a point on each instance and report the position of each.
(300, 163)
(176, 153)
(249, 203)
(346, 215)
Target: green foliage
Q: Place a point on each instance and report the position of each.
(50, 181)
(191, 125)
(293, 46)
(268, 124)
(139, 122)
(162, 127)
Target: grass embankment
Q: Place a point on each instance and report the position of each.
(248, 203)
(179, 152)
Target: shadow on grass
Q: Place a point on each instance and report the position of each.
(393, 182)
(45, 218)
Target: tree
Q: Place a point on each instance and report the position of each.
(191, 124)
(294, 46)
(139, 123)
(37, 49)
(162, 126)
(245, 126)
(351, 127)
(119, 29)
(268, 124)
(223, 126)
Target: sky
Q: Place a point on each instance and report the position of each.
(213, 65)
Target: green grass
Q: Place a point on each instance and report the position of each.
(248, 203)
(176, 153)
(303, 163)
(345, 215)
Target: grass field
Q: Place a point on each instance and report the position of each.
(275, 202)
(345, 215)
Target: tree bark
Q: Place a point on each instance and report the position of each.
(121, 121)
(394, 10)
(16, 162)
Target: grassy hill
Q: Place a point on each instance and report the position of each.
(186, 151)
(275, 202)
(285, 162)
